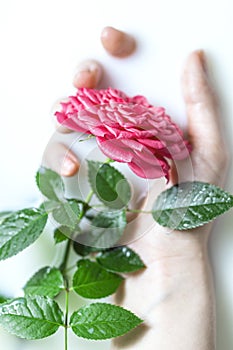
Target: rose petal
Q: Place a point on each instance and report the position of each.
(115, 150)
(150, 171)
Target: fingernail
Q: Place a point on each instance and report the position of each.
(117, 43)
(88, 75)
(69, 167)
(202, 58)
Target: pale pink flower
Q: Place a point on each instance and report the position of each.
(127, 130)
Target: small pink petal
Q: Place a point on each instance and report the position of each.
(148, 171)
(152, 143)
(115, 150)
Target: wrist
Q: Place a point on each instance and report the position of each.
(160, 244)
(172, 266)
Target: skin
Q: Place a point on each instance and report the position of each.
(174, 294)
(89, 74)
(117, 43)
(62, 160)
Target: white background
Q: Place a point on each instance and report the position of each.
(41, 43)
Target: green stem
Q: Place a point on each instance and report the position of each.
(63, 268)
(109, 160)
(89, 197)
(87, 138)
(66, 318)
(65, 259)
(66, 256)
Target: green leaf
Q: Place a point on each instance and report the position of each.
(106, 229)
(83, 206)
(48, 206)
(50, 184)
(100, 321)
(93, 281)
(3, 299)
(109, 185)
(67, 214)
(46, 282)
(4, 215)
(120, 259)
(31, 317)
(190, 204)
(83, 249)
(19, 230)
(61, 234)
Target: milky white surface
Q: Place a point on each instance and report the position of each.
(41, 43)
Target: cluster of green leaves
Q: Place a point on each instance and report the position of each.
(99, 265)
(37, 315)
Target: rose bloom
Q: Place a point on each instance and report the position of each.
(127, 129)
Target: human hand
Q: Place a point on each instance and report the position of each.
(174, 294)
(208, 163)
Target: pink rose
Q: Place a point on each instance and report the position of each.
(87, 98)
(128, 130)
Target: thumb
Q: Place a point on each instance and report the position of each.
(60, 159)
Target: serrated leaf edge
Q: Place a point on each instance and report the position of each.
(75, 287)
(43, 214)
(33, 286)
(116, 306)
(38, 183)
(182, 228)
(31, 318)
(142, 266)
(100, 165)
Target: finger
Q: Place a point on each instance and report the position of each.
(60, 159)
(89, 74)
(201, 105)
(209, 155)
(117, 43)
